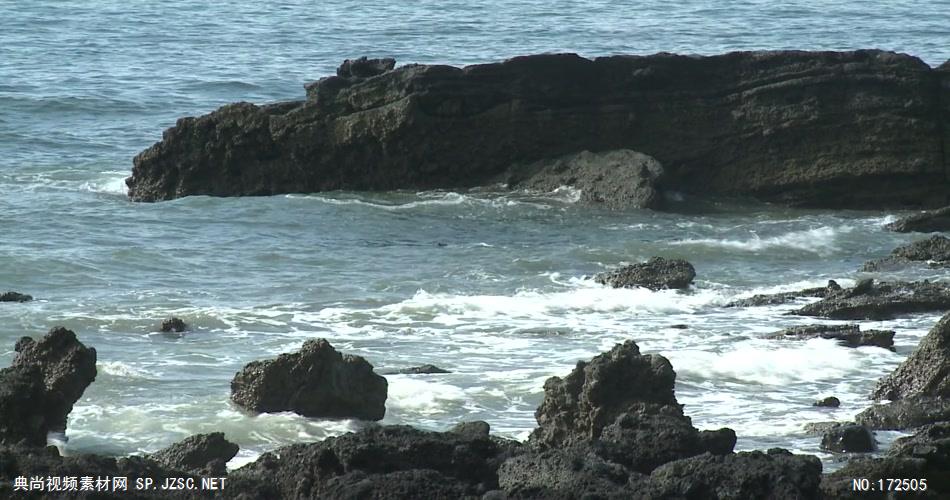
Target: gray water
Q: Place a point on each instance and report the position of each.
(487, 284)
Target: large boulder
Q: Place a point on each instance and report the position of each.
(618, 179)
(878, 301)
(926, 372)
(934, 251)
(656, 274)
(846, 335)
(316, 381)
(929, 221)
(201, 454)
(38, 391)
(831, 129)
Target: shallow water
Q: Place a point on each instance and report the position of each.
(487, 284)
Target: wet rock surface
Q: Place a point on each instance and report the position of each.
(926, 372)
(828, 402)
(828, 129)
(618, 179)
(872, 300)
(15, 297)
(786, 297)
(201, 454)
(316, 381)
(906, 413)
(848, 438)
(846, 335)
(657, 273)
(415, 370)
(933, 251)
(929, 221)
(173, 325)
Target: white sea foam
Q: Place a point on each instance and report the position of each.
(822, 240)
(426, 397)
(114, 184)
(120, 369)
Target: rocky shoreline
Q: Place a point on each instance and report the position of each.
(860, 129)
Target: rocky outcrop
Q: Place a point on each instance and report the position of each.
(848, 438)
(317, 381)
(15, 297)
(926, 372)
(656, 274)
(173, 325)
(415, 370)
(906, 413)
(830, 129)
(201, 454)
(846, 335)
(38, 391)
(618, 179)
(786, 297)
(929, 221)
(878, 301)
(934, 251)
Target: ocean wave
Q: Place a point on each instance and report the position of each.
(114, 184)
(822, 240)
(447, 199)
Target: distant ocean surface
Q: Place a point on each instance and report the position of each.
(487, 284)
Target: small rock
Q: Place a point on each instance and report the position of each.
(656, 274)
(415, 370)
(174, 324)
(473, 429)
(201, 454)
(930, 221)
(15, 297)
(849, 438)
(829, 402)
(364, 67)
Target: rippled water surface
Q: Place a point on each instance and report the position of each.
(489, 285)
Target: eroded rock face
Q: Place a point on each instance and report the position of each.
(846, 335)
(317, 381)
(930, 221)
(831, 129)
(656, 274)
(618, 179)
(38, 391)
(933, 251)
(201, 454)
(878, 301)
(926, 372)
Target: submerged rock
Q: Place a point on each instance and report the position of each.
(926, 372)
(846, 335)
(619, 179)
(201, 454)
(743, 123)
(878, 301)
(38, 391)
(656, 274)
(934, 251)
(317, 381)
(848, 438)
(15, 297)
(785, 297)
(173, 324)
(415, 370)
(930, 221)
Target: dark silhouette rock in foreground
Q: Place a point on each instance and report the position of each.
(173, 324)
(829, 402)
(618, 179)
(415, 370)
(15, 297)
(38, 391)
(786, 297)
(656, 274)
(926, 372)
(878, 301)
(934, 251)
(317, 381)
(848, 438)
(846, 335)
(201, 454)
(930, 221)
(828, 129)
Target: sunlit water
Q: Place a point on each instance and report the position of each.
(487, 284)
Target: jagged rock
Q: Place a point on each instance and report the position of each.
(848, 438)
(201, 454)
(567, 473)
(906, 413)
(926, 372)
(740, 476)
(828, 402)
(880, 301)
(930, 221)
(174, 324)
(15, 297)
(317, 381)
(415, 370)
(38, 391)
(656, 274)
(831, 129)
(934, 251)
(364, 67)
(618, 179)
(785, 297)
(846, 335)
(467, 464)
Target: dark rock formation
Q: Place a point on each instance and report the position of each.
(364, 67)
(201, 455)
(829, 402)
(15, 297)
(879, 301)
(317, 381)
(786, 297)
(935, 251)
(831, 129)
(618, 179)
(930, 221)
(564, 474)
(656, 274)
(926, 372)
(415, 370)
(906, 413)
(846, 335)
(38, 391)
(848, 438)
(173, 324)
